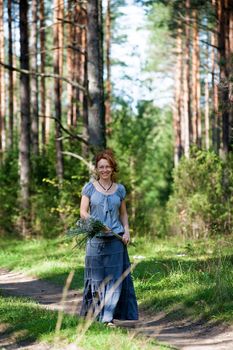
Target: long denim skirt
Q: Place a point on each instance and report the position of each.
(108, 291)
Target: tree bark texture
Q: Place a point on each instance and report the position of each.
(186, 83)
(96, 118)
(196, 95)
(108, 66)
(10, 77)
(42, 79)
(223, 19)
(58, 36)
(70, 63)
(79, 55)
(2, 86)
(177, 113)
(84, 95)
(215, 99)
(231, 72)
(207, 120)
(24, 148)
(34, 82)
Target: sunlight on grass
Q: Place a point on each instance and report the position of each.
(197, 275)
(29, 321)
(48, 259)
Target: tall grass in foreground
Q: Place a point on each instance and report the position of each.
(25, 320)
(179, 277)
(79, 332)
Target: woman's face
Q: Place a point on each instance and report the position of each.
(104, 169)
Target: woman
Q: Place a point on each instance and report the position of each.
(107, 256)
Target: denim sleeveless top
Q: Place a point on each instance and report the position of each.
(105, 207)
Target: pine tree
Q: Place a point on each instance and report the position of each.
(24, 148)
(96, 118)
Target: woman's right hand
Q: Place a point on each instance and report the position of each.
(107, 229)
(126, 238)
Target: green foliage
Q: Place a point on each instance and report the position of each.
(202, 199)
(9, 207)
(161, 48)
(143, 146)
(54, 205)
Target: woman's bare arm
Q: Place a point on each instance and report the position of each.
(125, 222)
(84, 207)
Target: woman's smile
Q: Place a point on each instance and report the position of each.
(104, 169)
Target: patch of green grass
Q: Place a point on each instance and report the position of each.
(50, 259)
(193, 278)
(33, 323)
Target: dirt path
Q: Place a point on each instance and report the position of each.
(184, 335)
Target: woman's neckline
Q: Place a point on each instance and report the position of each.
(106, 194)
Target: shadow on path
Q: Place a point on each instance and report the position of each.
(183, 334)
(14, 283)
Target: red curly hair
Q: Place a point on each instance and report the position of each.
(109, 156)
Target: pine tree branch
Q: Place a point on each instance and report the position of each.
(89, 164)
(81, 26)
(76, 48)
(44, 75)
(209, 44)
(74, 136)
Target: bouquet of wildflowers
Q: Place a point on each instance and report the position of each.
(88, 228)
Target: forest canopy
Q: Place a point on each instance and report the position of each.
(59, 105)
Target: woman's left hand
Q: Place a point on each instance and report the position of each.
(126, 238)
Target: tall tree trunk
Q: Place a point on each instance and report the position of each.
(194, 76)
(186, 83)
(24, 149)
(48, 103)
(182, 116)
(133, 186)
(42, 79)
(108, 66)
(198, 86)
(231, 72)
(34, 83)
(58, 16)
(85, 149)
(70, 62)
(177, 116)
(78, 68)
(207, 122)
(2, 86)
(16, 85)
(223, 18)
(10, 74)
(215, 113)
(228, 8)
(207, 126)
(96, 119)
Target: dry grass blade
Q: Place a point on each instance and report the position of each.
(63, 299)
